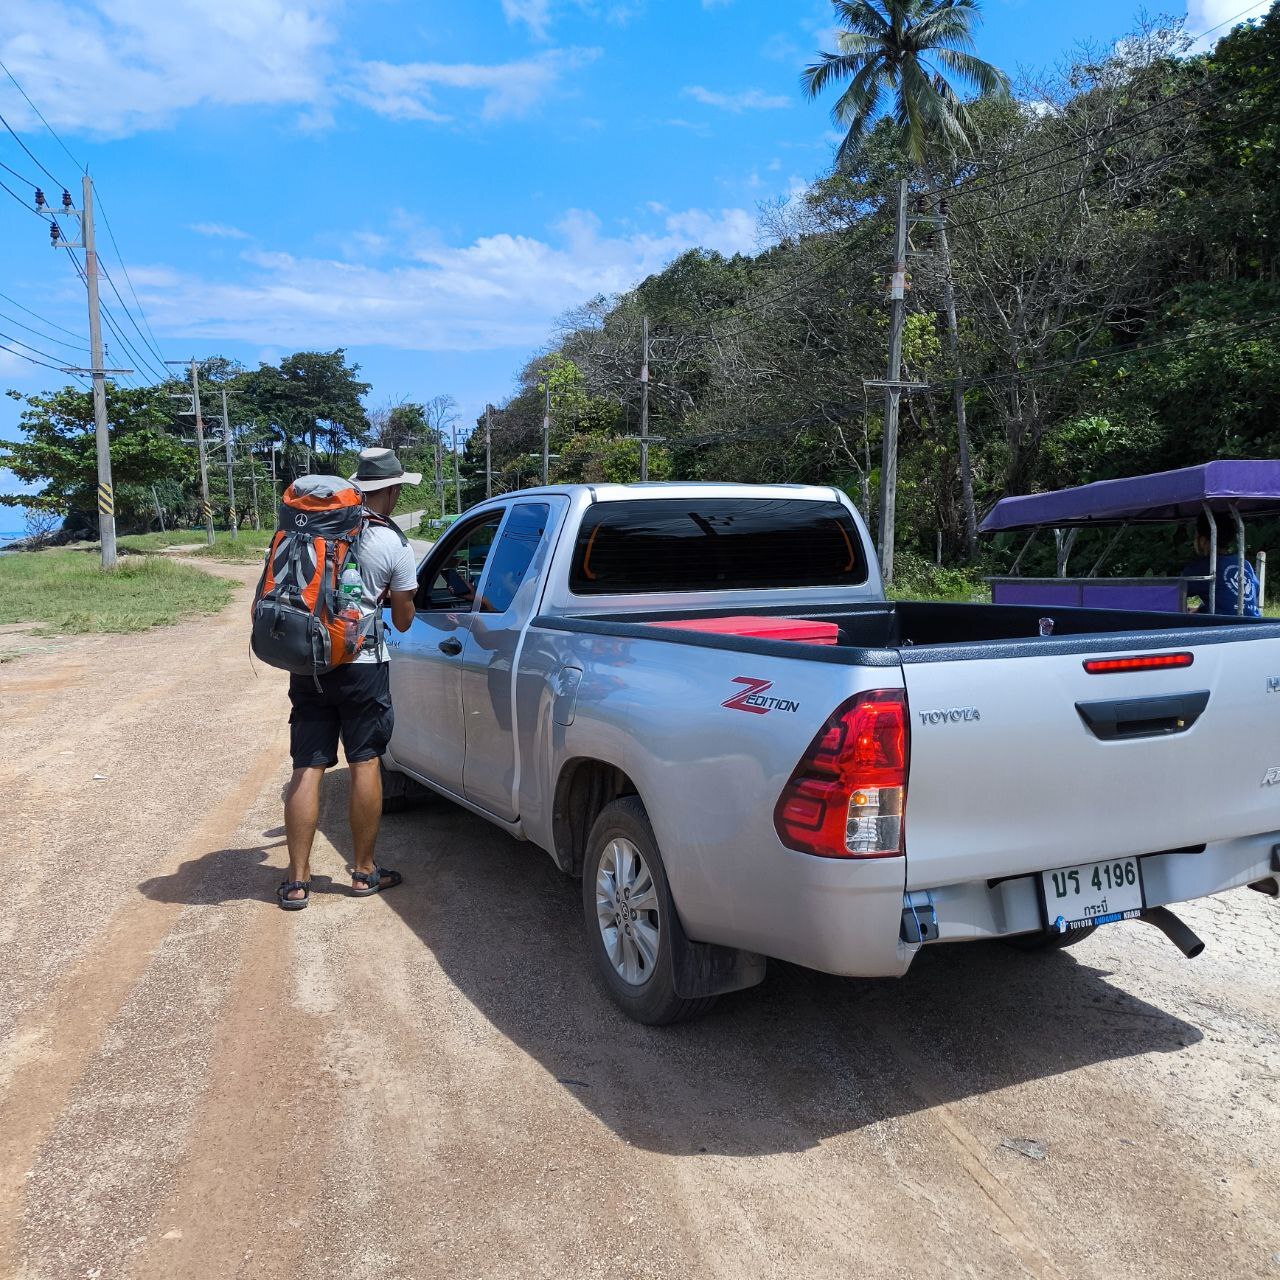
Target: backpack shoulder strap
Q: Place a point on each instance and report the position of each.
(385, 522)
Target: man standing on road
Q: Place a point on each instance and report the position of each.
(353, 701)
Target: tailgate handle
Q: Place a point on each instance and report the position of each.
(1143, 717)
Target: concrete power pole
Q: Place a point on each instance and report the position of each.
(231, 474)
(98, 370)
(488, 451)
(893, 390)
(439, 435)
(546, 432)
(457, 477)
(206, 510)
(644, 407)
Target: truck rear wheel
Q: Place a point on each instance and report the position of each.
(628, 914)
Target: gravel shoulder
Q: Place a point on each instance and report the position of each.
(430, 1083)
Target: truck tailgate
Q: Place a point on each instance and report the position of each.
(1009, 775)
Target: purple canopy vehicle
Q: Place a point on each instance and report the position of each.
(1235, 489)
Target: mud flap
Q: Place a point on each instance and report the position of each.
(705, 969)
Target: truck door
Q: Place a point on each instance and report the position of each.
(426, 661)
(509, 597)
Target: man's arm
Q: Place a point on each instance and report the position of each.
(402, 589)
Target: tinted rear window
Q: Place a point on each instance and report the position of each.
(715, 544)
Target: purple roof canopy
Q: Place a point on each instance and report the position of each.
(1252, 486)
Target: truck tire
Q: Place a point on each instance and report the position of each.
(623, 876)
(1047, 940)
(400, 792)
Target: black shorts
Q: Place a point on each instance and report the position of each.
(354, 701)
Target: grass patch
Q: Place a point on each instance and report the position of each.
(67, 591)
(248, 546)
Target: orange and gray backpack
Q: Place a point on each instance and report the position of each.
(299, 623)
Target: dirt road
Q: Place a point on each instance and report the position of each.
(429, 1083)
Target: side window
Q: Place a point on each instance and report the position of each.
(451, 579)
(514, 553)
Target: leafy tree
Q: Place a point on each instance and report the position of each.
(308, 397)
(911, 51)
(59, 452)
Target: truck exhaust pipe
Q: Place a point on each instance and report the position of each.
(1173, 929)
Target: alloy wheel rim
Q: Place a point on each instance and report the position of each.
(627, 912)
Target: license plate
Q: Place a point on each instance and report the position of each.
(1094, 893)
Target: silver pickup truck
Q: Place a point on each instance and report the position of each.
(697, 699)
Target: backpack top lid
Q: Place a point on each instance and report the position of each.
(323, 506)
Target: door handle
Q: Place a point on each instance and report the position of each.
(1143, 717)
(451, 647)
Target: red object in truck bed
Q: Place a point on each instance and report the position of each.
(761, 628)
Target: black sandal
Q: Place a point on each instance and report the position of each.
(293, 904)
(375, 881)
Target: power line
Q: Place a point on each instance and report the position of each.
(1100, 180)
(13, 302)
(34, 158)
(48, 337)
(1112, 353)
(146, 365)
(155, 346)
(43, 121)
(29, 207)
(29, 359)
(151, 346)
(27, 346)
(1208, 88)
(20, 177)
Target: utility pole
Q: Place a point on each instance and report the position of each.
(893, 389)
(962, 424)
(205, 509)
(439, 435)
(98, 370)
(488, 451)
(546, 430)
(457, 478)
(231, 475)
(253, 481)
(644, 407)
(159, 508)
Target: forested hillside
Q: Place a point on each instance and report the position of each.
(1112, 242)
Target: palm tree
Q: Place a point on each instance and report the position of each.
(910, 51)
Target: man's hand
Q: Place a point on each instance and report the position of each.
(401, 603)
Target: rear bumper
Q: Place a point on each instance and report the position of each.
(977, 910)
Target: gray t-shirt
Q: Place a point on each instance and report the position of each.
(386, 564)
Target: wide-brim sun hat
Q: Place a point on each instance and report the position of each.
(380, 469)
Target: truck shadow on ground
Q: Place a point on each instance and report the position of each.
(775, 1069)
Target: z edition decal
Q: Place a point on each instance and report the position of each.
(753, 698)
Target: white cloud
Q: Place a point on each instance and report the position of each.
(498, 291)
(120, 65)
(409, 91)
(115, 67)
(747, 100)
(1210, 20)
(218, 230)
(538, 15)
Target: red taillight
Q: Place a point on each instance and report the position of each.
(847, 795)
(1140, 662)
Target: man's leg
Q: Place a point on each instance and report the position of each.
(365, 812)
(301, 813)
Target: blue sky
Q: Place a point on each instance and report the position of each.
(428, 184)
